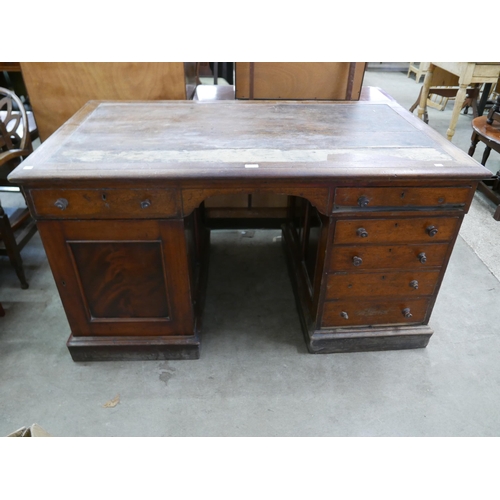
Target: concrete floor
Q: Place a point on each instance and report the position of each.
(255, 377)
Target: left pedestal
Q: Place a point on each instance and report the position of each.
(129, 287)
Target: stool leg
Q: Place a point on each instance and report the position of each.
(486, 155)
(473, 143)
(496, 215)
(2, 312)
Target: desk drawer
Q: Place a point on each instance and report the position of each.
(370, 257)
(359, 313)
(411, 230)
(105, 203)
(379, 197)
(395, 284)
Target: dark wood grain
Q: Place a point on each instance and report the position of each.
(124, 193)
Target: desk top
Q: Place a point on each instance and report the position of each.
(181, 140)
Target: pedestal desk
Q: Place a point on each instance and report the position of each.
(375, 203)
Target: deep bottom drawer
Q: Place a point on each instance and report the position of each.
(359, 313)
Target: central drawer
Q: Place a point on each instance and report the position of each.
(408, 230)
(105, 203)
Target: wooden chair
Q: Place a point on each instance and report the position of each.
(487, 130)
(15, 134)
(16, 225)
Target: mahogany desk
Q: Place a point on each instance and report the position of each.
(376, 199)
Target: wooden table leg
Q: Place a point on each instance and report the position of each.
(459, 101)
(425, 91)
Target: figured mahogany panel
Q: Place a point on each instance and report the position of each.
(121, 278)
(126, 278)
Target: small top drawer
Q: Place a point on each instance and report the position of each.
(387, 197)
(390, 231)
(105, 203)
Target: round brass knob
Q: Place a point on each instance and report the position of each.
(414, 284)
(145, 204)
(62, 203)
(422, 258)
(363, 201)
(432, 231)
(357, 261)
(361, 232)
(344, 315)
(406, 312)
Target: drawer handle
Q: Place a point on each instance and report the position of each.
(414, 284)
(362, 232)
(357, 261)
(344, 315)
(406, 312)
(363, 201)
(432, 231)
(145, 204)
(62, 203)
(422, 258)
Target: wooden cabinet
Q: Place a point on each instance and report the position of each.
(374, 202)
(336, 81)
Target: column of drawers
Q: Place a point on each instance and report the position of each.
(385, 267)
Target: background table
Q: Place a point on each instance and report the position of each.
(469, 73)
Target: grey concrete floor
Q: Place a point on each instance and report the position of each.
(255, 377)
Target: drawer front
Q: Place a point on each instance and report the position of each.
(414, 230)
(105, 203)
(370, 257)
(408, 283)
(378, 197)
(359, 313)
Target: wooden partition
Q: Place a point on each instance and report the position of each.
(333, 81)
(58, 90)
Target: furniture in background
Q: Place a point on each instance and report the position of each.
(469, 74)
(487, 130)
(337, 81)
(444, 86)
(375, 200)
(16, 226)
(419, 70)
(12, 79)
(16, 229)
(58, 90)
